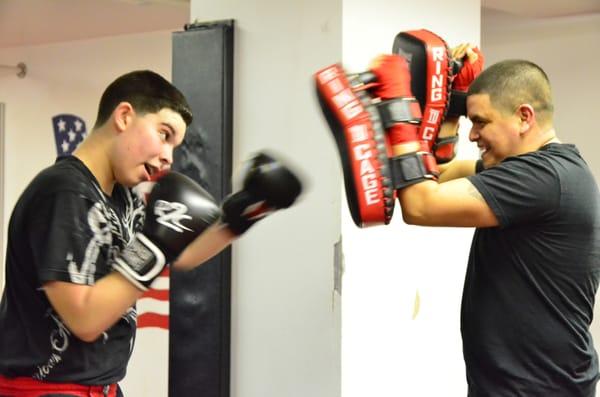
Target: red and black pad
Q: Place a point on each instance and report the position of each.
(362, 144)
(431, 69)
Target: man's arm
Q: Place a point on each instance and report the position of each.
(453, 203)
(473, 61)
(455, 168)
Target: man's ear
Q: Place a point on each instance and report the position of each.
(123, 116)
(526, 115)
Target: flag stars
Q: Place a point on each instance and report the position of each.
(65, 146)
(69, 131)
(61, 125)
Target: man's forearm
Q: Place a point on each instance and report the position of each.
(456, 169)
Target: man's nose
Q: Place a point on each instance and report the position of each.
(473, 134)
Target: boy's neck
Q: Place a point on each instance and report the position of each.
(93, 152)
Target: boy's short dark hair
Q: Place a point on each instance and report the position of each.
(147, 92)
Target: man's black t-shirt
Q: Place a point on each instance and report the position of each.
(64, 228)
(529, 290)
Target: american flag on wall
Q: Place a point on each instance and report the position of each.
(153, 306)
(152, 339)
(144, 376)
(69, 131)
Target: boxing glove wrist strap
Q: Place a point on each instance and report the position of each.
(140, 262)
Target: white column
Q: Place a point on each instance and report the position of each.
(403, 284)
(285, 313)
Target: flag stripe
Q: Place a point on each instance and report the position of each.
(153, 320)
(160, 283)
(159, 294)
(145, 305)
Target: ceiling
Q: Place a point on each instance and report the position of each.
(544, 8)
(35, 22)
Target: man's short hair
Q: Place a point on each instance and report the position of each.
(515, 82)
(147, 92)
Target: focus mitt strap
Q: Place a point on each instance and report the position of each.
(411, 168)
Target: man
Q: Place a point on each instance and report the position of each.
(82, 248)
(534, 264)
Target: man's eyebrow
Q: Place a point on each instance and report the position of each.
(476, 118)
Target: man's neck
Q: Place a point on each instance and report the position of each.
(548, 137)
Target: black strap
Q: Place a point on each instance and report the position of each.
(409, 168)
(398, 110)
(458, 104)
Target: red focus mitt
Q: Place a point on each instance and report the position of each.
(412, 161)
(431, 70)
(361, 143)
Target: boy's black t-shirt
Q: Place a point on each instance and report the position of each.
(530, 285)
(64, 228)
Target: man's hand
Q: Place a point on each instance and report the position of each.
(400, 110)
(472, 65)
(412, 161)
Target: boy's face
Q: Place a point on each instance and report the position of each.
(145, 146)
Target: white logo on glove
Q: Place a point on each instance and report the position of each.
(171, 214)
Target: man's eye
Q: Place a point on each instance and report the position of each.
(163, 135)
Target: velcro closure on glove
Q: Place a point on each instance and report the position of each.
(141, 261)
(411, 168)
(399, 110)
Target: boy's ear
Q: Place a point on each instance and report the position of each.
(123, 115)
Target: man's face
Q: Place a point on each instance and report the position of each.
(497, 134)
(145, 146)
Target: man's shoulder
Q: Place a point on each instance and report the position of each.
(559, 152)
(549, 159)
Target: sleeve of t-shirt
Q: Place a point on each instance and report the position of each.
(65, 235)
(520, 189)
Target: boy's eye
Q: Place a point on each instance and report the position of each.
(163, 135)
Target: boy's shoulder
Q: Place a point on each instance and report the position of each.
(66, 174)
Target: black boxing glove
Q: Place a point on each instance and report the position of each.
(268, 186)
(177, 211)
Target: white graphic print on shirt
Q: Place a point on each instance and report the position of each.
(110, 232)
